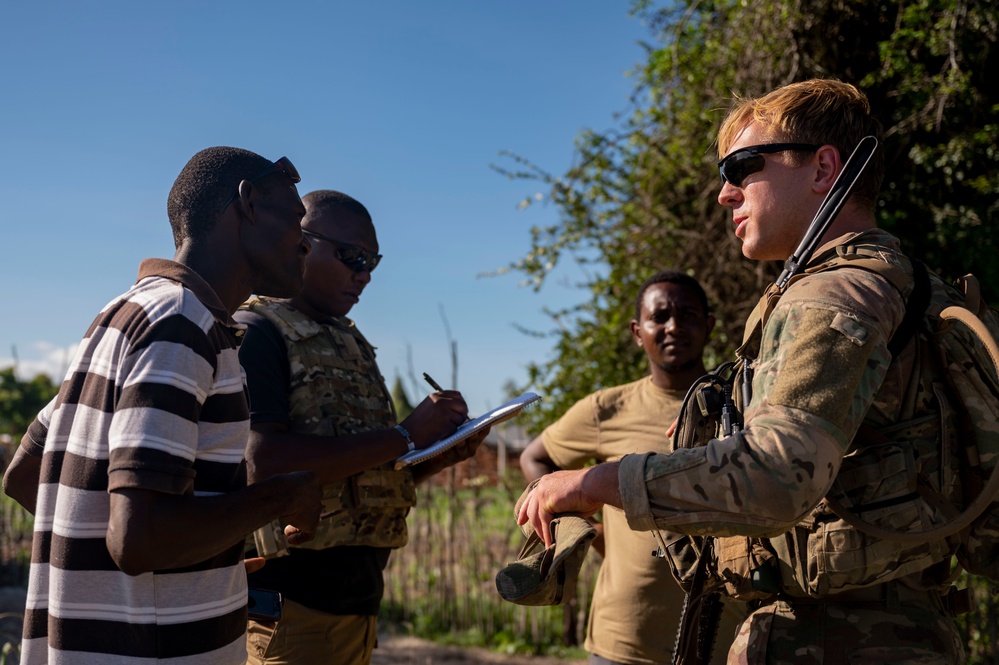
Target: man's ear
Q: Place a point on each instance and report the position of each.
(243, 199)
(709, 324)
(828, 164)
(633, 326)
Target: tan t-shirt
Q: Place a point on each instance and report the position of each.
(636, 602)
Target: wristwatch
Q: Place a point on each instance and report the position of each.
(409, 441)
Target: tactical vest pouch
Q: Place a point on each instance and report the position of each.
(744, 566)
(367, 509)
(681, 553)
(747, 568)
(709, 409)
(885, 486)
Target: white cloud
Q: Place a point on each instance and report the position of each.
(40, 358)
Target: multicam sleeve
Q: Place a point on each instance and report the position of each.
(822, 362)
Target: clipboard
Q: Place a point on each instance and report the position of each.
(499, 414)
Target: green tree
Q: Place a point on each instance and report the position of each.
(403, 407)
(642, 196)
(20, 400)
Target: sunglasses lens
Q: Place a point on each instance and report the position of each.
(738, 166)
(358, 259)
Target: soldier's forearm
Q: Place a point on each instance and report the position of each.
(599, 485)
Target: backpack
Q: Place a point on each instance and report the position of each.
(908, 497)
(951, 482)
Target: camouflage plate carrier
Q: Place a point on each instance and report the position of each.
(910, 495)
(336, 390)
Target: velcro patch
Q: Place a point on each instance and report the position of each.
(822, 364)
(851, 328)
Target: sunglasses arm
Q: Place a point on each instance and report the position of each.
(831, 205)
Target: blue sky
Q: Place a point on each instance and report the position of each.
(403, 105)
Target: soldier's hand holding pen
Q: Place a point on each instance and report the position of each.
(436, 417)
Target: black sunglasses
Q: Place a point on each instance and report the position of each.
(282, 165)
(736, 165)
(356, 258)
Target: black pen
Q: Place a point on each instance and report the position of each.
(433, 384)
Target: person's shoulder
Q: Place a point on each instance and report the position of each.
(344, 325)
(852, 292)
(157, 298)
(872, 290)
(261, 337)
(614, 398)
(614, 394)
(280, 315)
(878, 278)
(347, 326)
(252, 319)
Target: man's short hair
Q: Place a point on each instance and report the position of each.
(817, 111)
(328, 199)
(671, 277)
(205, 183)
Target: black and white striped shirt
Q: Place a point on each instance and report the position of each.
(154, 399)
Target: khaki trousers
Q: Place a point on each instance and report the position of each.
(305, 636)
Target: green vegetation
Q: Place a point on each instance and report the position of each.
(441, 586)
(15, 554)
(980, 627)
(641, 196)
(403, 407)
(15, 540)
(20, 401)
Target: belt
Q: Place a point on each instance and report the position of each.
(890, 595)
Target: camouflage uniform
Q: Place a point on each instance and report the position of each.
(336, 389)
(823, 368)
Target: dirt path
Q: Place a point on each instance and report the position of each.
(402, 650)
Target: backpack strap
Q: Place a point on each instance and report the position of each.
(915, 309)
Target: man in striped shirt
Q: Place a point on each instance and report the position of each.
(135, 470)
